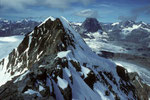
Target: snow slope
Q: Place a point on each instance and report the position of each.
(99, 45)
(128, 30)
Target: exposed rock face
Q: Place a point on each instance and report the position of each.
(91, 25)
(142, 89)
(54, 62)
(122, 72)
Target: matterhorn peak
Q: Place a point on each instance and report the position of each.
(91, 25)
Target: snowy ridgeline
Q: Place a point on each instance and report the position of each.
(74, 72)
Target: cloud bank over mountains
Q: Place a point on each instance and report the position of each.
(104, 10)
(21, 4)
(136, 13)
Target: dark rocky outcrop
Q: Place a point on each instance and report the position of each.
(91, 25)
(141, 89)
(24, 44)
(122, 72)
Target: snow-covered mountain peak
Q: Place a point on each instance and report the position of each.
(116, 23)
(20, 27)
(4, 20)
(48, 18)
(54, 62)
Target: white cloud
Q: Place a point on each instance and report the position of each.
(16, 4)
(88, 13)
(20, 4)
(102, 5)
(65, 3)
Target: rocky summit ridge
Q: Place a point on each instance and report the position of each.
(53, 62)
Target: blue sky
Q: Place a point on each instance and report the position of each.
(77, 10)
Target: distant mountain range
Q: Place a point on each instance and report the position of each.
(123, 34)
(9, 28)
(126, 36)
(130, 31)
